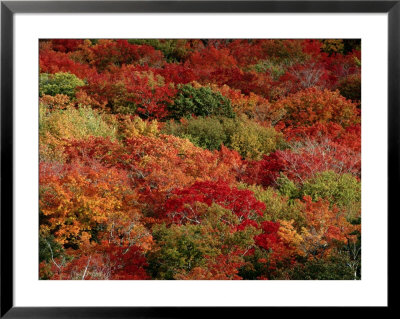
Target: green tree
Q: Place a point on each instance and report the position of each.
(181, 248)
(59, 83)
(206, 132)
(199, 102)
(342, 190)
(278, 207)
(253, 140)
(248, 138)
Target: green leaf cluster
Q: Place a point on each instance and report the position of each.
(248, 138)
(184, 247)
(59, 83)
(201, 101)
(77, 123)
(278, 206)
(342, 190)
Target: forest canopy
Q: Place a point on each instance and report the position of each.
(200, 159)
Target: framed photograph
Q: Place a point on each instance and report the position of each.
(162, 156)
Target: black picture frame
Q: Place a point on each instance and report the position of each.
(9, 8)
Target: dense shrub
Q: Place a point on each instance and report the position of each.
(253, 140)
(343, 190)
(205, 132)
(132, 126)
(278, 207)
(183, 249)
(275, 68)
(56, 127)
(248, 138)
(199, 102)
(77, 123)
(59, 83)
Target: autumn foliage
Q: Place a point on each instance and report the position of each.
(199, 159)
